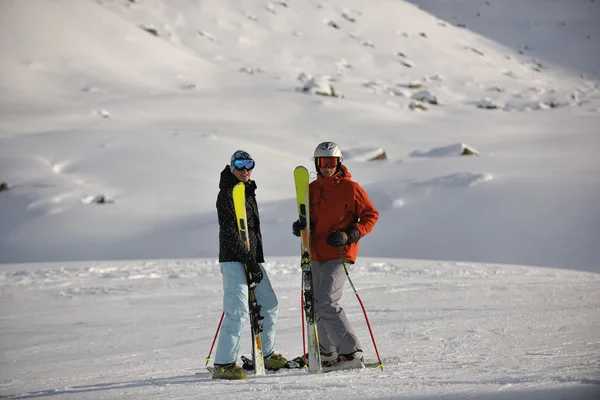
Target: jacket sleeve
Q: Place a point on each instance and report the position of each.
(365, 210)
(229, 234)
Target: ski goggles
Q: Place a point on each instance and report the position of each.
(327, 162)
(243, 164)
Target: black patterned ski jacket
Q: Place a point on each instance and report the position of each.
(231, 247)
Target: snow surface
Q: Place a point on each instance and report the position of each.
(481, 278)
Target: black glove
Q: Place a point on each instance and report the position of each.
(341, 238)
(298, 226)
(255, 274)
(337, 239)
(353, 235)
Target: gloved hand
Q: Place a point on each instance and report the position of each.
(338, 238)
(298, 226)
(341, 238)
(255, 274)
(353, 235)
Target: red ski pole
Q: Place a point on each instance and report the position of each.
(215, 339)
(362, 306)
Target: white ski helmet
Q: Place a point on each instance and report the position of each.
(328, 149)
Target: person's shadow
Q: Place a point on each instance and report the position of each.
(73, 390)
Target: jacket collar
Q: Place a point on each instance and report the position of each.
(337, 178)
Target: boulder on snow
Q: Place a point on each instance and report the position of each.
(375, 155)
(150, 29)
(425, 96)
(319, 85)
(381, 156)
(3, 186)
(417, 105)
(469, 151)
(97, 199)
(365, 154)
(487, 104)
(453, 150)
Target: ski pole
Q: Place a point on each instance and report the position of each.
(215, 339)
(303, 335)
(362, 306)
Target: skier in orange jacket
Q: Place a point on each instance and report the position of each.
(341, 213)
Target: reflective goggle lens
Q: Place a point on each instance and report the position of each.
(327, 162)
(241, 164)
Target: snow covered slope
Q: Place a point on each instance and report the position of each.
(141, 103)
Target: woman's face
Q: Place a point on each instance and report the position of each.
(242, 175)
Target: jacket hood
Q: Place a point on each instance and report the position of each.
(337, 178)
(228, 181)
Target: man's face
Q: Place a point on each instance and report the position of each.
(327, 172)
(327, 165)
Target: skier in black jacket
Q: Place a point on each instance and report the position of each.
(233, 254)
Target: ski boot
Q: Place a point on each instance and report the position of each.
(228, 371)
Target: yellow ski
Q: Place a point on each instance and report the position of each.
(301, 180)
(239, 205)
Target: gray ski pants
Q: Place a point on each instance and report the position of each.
(335, 332)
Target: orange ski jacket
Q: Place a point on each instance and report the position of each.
(337, 204)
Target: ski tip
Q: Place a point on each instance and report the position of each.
(375, 364)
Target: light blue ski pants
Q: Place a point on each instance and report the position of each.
(235, 307)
